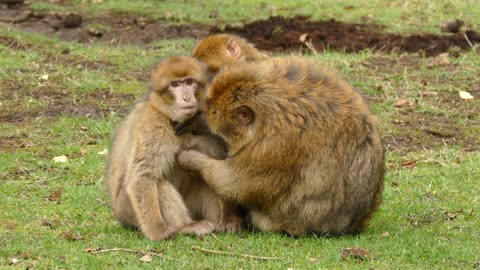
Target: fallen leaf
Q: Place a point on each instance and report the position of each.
(450, 216)
(60, 159)
(103, 153)
(55, 196)
(303, 37)
(146, 258)
(385, 235)
(83, 128)
(47, 223)
(440, 60)
(409, 164)
(357, 253)
(43, 77)
(90, 250)
(83, 152)
(465, 95)
(12, 261)
(428, 93)
(70, 236)
(403, 103)
(10, 225)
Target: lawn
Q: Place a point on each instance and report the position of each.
(63, 93)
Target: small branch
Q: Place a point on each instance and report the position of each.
(234, 254)
(99, 250)
(21, 18)
(468, 40)
(221, 242)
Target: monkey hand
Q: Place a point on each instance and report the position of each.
(191, 159)
(230, 224)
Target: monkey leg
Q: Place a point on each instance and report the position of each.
(145, 202)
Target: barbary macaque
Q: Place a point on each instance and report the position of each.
(148, 190)
(305, 155)
(219, 50)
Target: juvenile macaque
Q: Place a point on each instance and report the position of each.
(219, 50)
(148, 190)
(304, 152)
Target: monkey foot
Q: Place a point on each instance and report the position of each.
(230, 224)
(161, 234)
(200, 227)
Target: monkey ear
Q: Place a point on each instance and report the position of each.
(233, 48)
(243, 115)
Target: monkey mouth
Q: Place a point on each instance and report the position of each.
(188, 109)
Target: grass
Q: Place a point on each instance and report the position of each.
(430, 215)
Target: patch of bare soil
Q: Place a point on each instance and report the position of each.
(291, 34)
(17, 109)
(273, 34)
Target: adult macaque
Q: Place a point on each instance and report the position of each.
(219, 50)
(304, 152)
(148, 190)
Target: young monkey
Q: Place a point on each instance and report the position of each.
(219, 50)
(305, 154)
(148, 190)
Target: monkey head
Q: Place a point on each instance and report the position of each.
(219, 50)
(177, 87)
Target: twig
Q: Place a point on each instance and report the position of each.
(99, 250)
(21, 18)
(468, 40)
(234, 254)
(221, 242)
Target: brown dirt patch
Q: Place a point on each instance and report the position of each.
(97, 104)
(282, 34)
(276, 34)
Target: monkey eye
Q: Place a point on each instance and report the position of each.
(189, 81)
(174, 84)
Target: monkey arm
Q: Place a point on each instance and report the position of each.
(215, 172)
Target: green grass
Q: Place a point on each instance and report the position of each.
(430, 215)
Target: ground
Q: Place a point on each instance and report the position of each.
(70, 70)
(276, 35)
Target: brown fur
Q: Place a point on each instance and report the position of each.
(148, 190)
(219, 50)
(304, 152)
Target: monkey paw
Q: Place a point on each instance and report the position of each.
(200, 227)
(230, 224)
(190, 159)
(161, 234)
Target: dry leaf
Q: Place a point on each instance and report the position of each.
(43, 78)
(61, 159)
(12, 261)
(357, 253)
(409, 164)
(465, 95)
(403, 103)
(55, 196)
(103, 153)
(440, 60)
(70, 236)
(428, 93)
(303, 37)
(385, 235)
(83, 152)
(146, 258)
